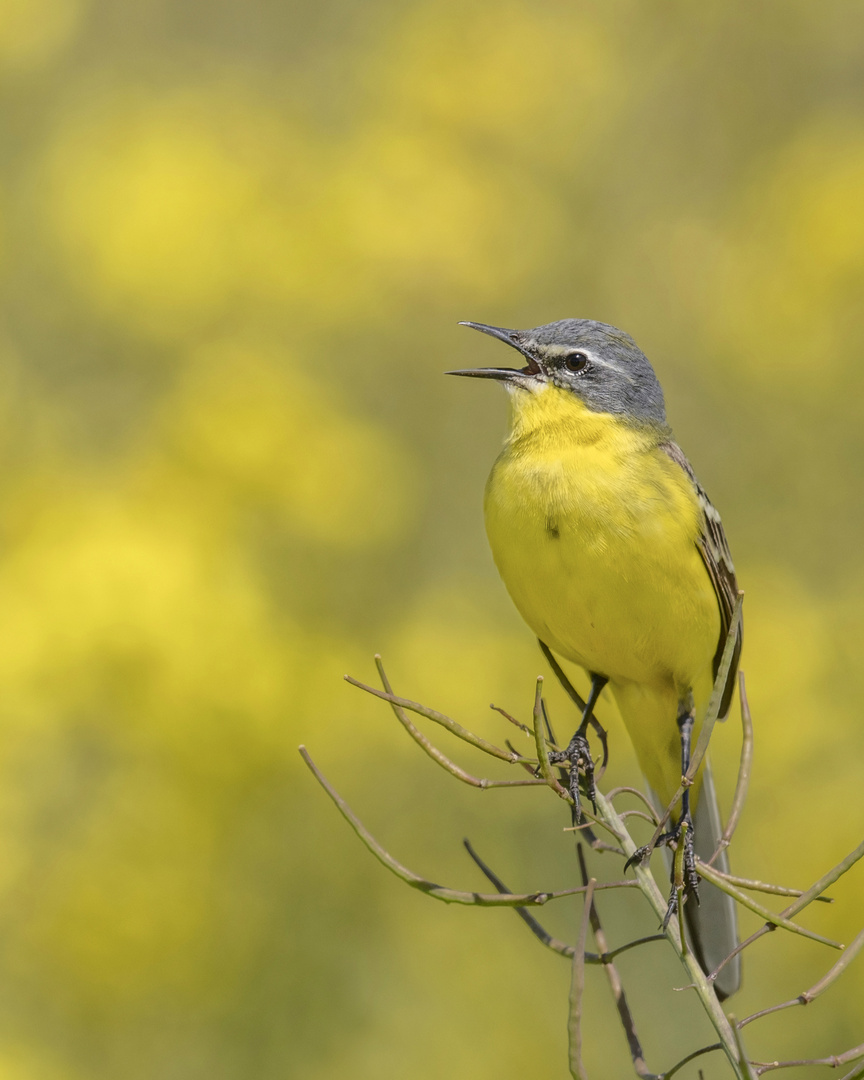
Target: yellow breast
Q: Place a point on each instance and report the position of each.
(594, 529)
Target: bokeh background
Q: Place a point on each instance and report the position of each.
(235, 241)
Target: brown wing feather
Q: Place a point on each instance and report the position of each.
(714, 549)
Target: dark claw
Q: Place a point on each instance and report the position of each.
(671, 908)
(578, 754)
(639, 856)
(691, 878)
(688, 869)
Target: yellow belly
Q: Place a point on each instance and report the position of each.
(596, 544)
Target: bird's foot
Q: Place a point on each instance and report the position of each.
(639, 856)
(578, 755)
(685, 880)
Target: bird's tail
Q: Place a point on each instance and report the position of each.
(712, 925)
(647, 714)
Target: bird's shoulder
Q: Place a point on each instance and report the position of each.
(714, 533)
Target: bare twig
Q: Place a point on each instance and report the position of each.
(512, 719)
(593, 819)
(763, 886)
(526, 765)
(605, 957)
(685, 1060)
(598, 845)
(623, 789)
(637, 1054)
(744, 770)
(806, 996)
(440, 758)
(836, 872)
(834, 1062)
(439, 892)
(678, 879)
(747, 901)
(657, 901)
(858, 1071)
(816, 890)
(439, 718)
(540, 743)
(542, 935)
(615, 822)
(746, 1066)
(640, 814)
(577, 987)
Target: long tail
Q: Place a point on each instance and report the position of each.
(712, 925)
(648, 714)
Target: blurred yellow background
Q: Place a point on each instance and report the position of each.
(235, 239)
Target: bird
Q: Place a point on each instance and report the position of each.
(617, 560)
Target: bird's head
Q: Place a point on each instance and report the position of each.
(599, 364)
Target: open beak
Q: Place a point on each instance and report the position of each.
(514, 339)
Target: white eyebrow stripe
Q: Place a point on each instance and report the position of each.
(556, 352)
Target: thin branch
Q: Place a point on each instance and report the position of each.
(526, 765)
(806, 996)
(730, 1036)
(637, 1054)
(834, 1062)
(746, 1065)
(858, 1071)
(816, 890)
(640, 814)
(623, 789)
(657, 901)
(577, 987)
(439, 892)
(439, 718)
(540, 743)
(542, 935)
(747, 901)
(605, 957)
(678, 879)
(684, 1061)
(599, 845)
(593, 819)
(744, 770)
(607, 816)
(763, 886)
(512, 719)
(440, 758)
(836, 872)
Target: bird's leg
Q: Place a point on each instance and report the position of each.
(578, 753)
(682, 831)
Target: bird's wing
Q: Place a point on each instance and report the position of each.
(714, 549)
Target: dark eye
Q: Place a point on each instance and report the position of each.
(576, 361)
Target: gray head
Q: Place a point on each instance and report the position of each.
(602, 365)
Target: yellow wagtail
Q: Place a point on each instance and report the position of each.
(616, 559)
